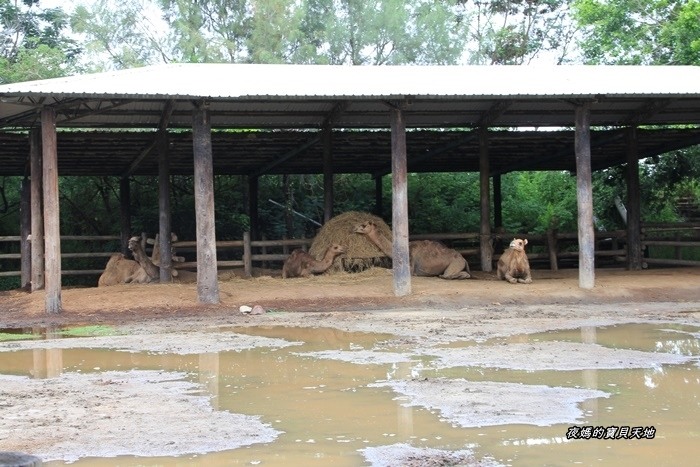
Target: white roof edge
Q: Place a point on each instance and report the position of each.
(247, 81)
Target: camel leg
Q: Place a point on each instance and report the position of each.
(455, 270)
(527, 279)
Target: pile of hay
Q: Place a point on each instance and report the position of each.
(361, 253)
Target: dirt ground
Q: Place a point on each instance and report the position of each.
(437, 311)
(367, 291)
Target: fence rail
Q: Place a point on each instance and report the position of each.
(552, 246)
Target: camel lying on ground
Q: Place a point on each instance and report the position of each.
(513, 265)
(302, 264)
(121, 270)
(427, 257)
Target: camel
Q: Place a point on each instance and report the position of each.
(118, 270)
(427, 257)
(151, 271)
(302, 264)
(513, 265)
(121, 270)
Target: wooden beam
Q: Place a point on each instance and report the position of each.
(484, 196)
(207, 281)
(52, 230)
(327, 173)
(25, 228)
(164, 214)
(399, 181)
(253, 197)
(485, 200)
(162, 127)
(125, 213)
(584, 197)
(634, 227)
(285, 157)
(647, 111)
(416, 159)
(37, 196)
(494, 112)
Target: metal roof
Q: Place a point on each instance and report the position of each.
(307, 96)
(286, 105)
(301, 152)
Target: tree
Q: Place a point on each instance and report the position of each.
(121, 35)
(645, 32)
(517, 32)
(34, 44)
(640, 32)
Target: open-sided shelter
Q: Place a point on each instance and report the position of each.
(310, 105)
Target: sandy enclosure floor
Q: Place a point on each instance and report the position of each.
(167, 318)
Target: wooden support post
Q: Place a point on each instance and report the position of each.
(207, 281)
(484, 177)
(328, 194)
(552, 248)
(634, 227)
(584, 197)
(52, 230)
(399, 180)
(125, 213)
(25, 228)
(253, 207)
(497, 202)
(247, 255)
(37, 196)
(164, 215)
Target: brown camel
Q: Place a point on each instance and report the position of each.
(427, 257)
(302, 264)
(513, 265)
(152, 273)
(119, 269)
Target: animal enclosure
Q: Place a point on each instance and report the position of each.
(664, 244)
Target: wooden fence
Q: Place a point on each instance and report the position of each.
(553, 248)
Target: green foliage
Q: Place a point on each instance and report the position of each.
(443, 202)
(33, 44)
(660, 32)
(536, 201)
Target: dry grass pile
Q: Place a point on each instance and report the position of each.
(361, 253)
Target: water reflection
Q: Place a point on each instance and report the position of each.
(328, 409)
(47, 363)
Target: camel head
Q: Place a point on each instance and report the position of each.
(365, 228)
(518, 244)
(337, 249)
(134, 243)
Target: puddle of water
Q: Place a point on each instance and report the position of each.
(328, 411)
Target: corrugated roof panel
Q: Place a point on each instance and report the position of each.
(241, 81)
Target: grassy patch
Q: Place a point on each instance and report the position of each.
(87, 331)
(7, 336)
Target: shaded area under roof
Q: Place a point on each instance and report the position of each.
(296, 152)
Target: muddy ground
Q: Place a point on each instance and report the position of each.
(153, 317)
